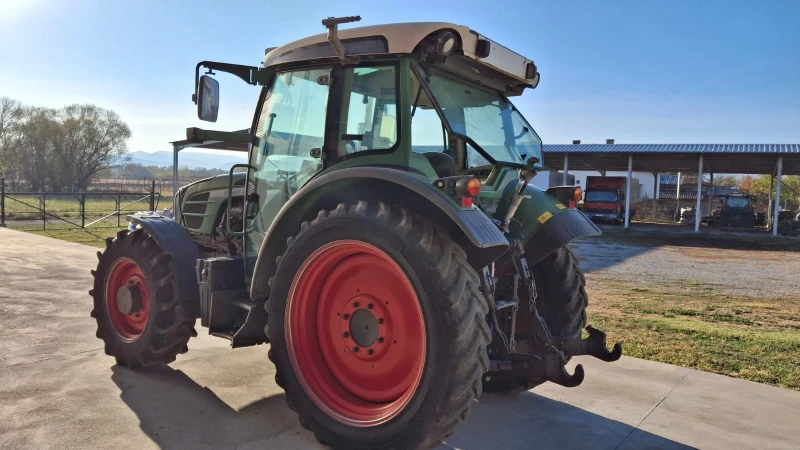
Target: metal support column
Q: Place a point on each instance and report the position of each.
(699, 195)
(175, 151)
(677, 199)
(711, 195)
(566, 170)
(777, 210)
(770, 203)
(628, 191)
(2, 202)
(658, 185)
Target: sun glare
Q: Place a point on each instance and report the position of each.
(11, 9)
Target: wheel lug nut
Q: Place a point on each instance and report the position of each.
(380, 320)
(345, 334)
(346, 316)
(370, 351)
(356, 349)
(355, 304)
(380, 340)
(369, 306)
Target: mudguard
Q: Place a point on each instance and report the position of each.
(543, 222)
(175, 241)
(470, 228)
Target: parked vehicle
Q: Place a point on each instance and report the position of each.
(392, 286)
(604, 198)
(736, 211)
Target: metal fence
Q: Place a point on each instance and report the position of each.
(60, 211)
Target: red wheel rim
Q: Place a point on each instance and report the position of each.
(125, 272)
(355, 333)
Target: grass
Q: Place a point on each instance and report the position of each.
(94, 237)
(756, 339)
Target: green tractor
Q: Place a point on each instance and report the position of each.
(383, 238)
(736, 211)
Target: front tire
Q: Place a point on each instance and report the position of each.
(135, 303)
(377, 329)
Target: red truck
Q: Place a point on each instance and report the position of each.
(605, 198)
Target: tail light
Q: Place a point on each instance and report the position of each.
(461, 188)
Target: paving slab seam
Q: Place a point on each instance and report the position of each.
(653, 409)
(49, 359)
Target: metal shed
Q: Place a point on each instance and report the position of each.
(774, 159)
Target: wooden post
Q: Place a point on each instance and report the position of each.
(119, 204)
(44, 215)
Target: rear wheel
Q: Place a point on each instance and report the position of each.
(134, 302)
(377, 329)
(561, 301)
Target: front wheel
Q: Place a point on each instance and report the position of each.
(135, 302)
(377, 329)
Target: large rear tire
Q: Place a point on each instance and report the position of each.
(561, 301)
(378, 329)
(135, 303)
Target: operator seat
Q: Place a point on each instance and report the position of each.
(443, 164)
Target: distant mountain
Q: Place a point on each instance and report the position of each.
(190, 160)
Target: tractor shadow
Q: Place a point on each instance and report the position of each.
(530, 421)
(177, 413)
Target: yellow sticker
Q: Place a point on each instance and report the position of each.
(545, 216)
(561, 206)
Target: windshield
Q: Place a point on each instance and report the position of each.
(601, 196)
(489, 120)
(737, 202)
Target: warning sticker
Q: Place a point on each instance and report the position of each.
(545, 216)
(561, 206)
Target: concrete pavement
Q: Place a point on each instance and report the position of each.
(58, 389)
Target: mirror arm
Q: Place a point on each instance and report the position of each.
(246, 73)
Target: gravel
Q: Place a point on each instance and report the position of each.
(753, 273)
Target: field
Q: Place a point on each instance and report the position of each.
(24, 210)
(717, 304)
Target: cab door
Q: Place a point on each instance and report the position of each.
(291, 129)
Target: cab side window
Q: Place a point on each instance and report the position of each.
(372, 110)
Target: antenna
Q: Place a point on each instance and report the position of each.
(331, 23)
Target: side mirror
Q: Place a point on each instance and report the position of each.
(207, 99)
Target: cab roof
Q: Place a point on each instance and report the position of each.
(403, 38)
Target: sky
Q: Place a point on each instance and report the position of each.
(637, 71)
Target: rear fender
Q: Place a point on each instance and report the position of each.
(543, 222)
(470, 228)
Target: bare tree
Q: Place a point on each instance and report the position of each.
(91, 139)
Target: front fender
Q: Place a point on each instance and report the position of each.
(542, 222)
(470, 228)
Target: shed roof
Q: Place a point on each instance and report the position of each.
(717, 158)
(675, 148)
